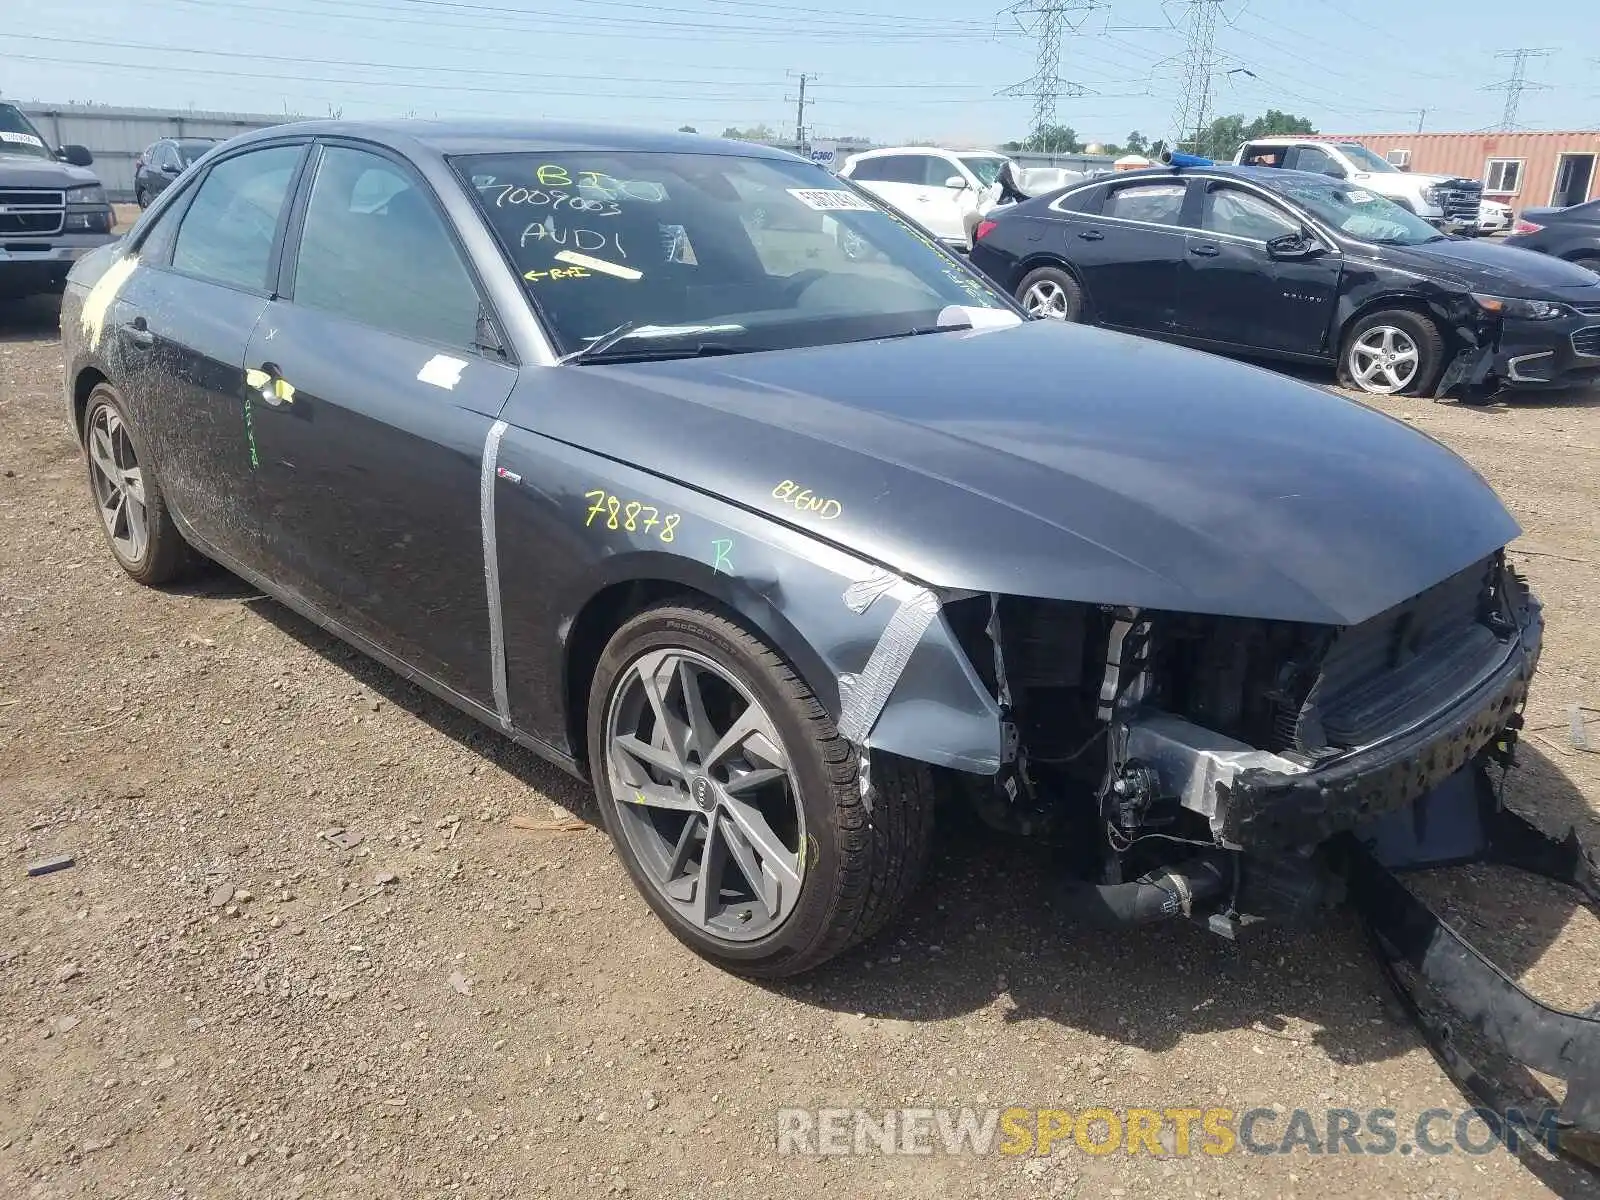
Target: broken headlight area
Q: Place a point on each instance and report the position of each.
(1209, 760)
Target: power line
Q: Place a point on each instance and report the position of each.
(1044, 20)
(1517, 84)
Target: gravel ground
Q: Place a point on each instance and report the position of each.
(218, 1002)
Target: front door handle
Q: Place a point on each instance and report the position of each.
(266, 382)
(1205, 251)
(1092, 235)
(138, 333)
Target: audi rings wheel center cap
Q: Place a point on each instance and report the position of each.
(704, 792)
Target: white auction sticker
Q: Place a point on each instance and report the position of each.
(830, 200)
(27, 139)
(442, 371)
(1360, 197)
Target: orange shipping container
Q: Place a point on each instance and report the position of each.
(1524, 170)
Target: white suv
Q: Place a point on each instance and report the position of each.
(1438, 199)
(938, 189)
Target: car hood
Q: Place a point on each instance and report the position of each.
(1481, 266)
(1057, 461)
(27, 171)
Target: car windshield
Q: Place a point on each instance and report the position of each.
(985, 166)
(18, 136)
(1353, 210)
(733, 253)
(1366, 159)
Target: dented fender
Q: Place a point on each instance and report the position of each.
(571, 525)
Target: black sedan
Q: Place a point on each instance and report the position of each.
(1299, 267)
(1569, 233)
(162, 162)
(773, 544)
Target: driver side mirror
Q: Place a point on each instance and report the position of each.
(77, 156)
(955, 182)
(1292, 247)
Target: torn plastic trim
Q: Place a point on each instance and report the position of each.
(1404, 930)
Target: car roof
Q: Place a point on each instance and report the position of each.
(881, 150)
(488, 136)
(1289, 139)
(1265, 176)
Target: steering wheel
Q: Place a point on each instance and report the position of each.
(797, 283)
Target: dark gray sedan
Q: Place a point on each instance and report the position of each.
(773, 542)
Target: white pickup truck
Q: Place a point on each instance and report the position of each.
(1439, 199)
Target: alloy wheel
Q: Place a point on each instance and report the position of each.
(1384, 360)
(118, 484)
(1046, 299)
(705, 795)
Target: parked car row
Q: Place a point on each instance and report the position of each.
(1299, 266)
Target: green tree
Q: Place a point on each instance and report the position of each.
(756, 133)
(1051, 139)
(1226, 134)
(687, 129)
(1138, 143)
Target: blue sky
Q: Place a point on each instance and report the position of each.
(891, 71)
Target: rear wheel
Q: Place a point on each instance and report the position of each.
(1393, 353)
(142, 196)
(736, 805)
(133, 513)
(1051, 292)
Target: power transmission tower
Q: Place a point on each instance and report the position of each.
(800, 109)
(1517, 84)
(1200, 63)
(1045, 20)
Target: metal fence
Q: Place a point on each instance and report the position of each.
(116, 136)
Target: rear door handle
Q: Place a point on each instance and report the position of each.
(1092, 235)
(138, 334)
(1206, 251)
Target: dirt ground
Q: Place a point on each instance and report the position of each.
(216, 1003)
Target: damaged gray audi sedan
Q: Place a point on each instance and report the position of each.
(605, 439)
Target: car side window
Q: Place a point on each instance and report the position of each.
(1239, 213)
(868, 169)
(228, 230)
(901, 168)
(1314, 158)
(376, 250)
(166, 157)
(1152, 203)
(936, 170)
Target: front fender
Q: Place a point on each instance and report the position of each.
(557, 551)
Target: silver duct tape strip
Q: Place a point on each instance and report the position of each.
(862, 697)
(491, 573)
(858, 597)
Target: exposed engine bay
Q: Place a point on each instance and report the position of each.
(1212, 758)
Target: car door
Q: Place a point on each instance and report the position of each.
(940, 207)
(181, 323)
(377, 387)
(168, 166)
(1255, 276)
(896, 179)
(1128, 244)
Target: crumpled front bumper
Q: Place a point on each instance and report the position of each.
(1262, 809)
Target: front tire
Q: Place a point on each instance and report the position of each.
(133, 513)
(142, 196)
(1392, 353)
(1051, 292)
(735, 804)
